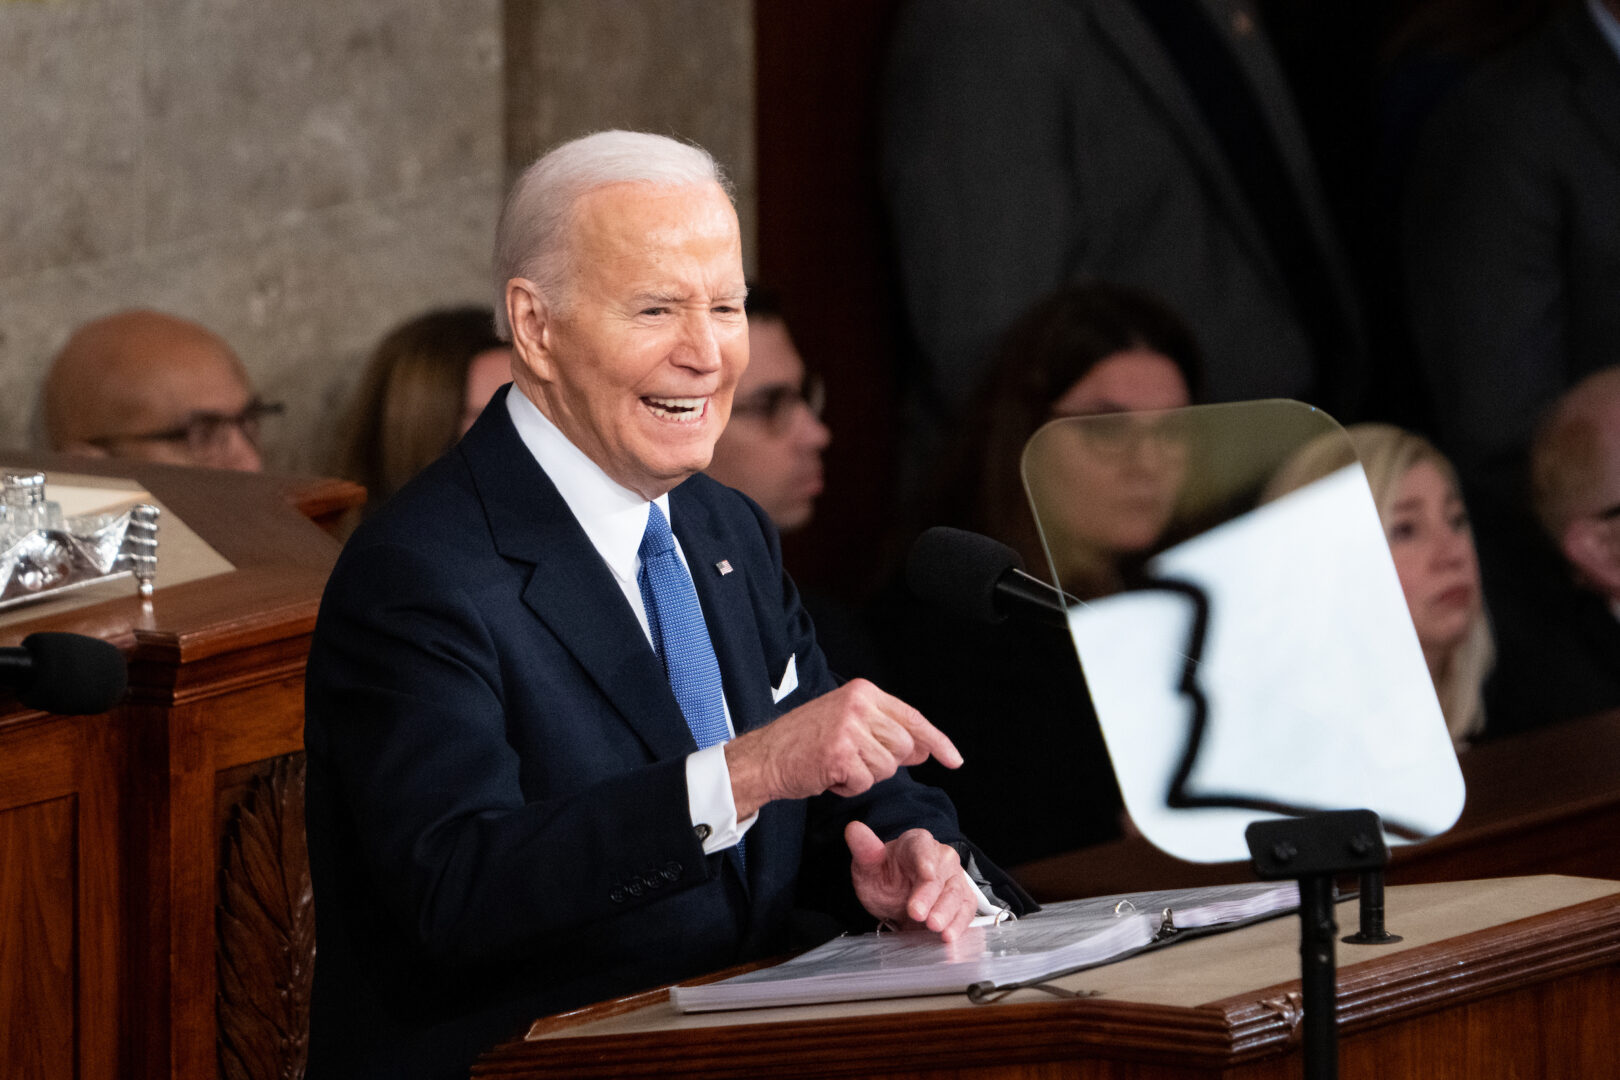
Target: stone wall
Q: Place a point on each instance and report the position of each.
(301, 176)
(297, 176)
(683, 68)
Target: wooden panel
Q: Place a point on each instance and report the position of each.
(216, 687)
(38, 976)
(59, 900)
(1443, 1007)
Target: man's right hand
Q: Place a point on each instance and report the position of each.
(844, 742)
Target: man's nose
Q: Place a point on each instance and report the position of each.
(237, 452)
(809, 431)
(700, 344)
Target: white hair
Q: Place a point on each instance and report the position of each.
(531, 240)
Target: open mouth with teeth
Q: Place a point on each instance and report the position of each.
(679, 409)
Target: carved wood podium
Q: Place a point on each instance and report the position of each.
(1509, 977)
(153, 884)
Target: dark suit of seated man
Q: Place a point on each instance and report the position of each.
(515, 805)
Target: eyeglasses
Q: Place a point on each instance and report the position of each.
(204, 433)
(775, 404)
(1119, 434)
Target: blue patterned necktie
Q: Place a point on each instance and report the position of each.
(680, 636)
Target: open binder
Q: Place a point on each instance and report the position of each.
(1057, 940)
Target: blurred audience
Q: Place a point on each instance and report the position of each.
(771, 448)
(154, 387)
(1426, 524)
(1512, 240)
(1152, 142)
(1090, 349)
(1560, 650)
(1038, 780)
(423, 387)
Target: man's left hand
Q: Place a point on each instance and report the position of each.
(914, 881)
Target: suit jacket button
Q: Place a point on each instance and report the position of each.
(671, 871)
(703, 832)
(617, 895)
(634, 888)
(651, 880)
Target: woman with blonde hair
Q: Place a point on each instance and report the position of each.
(1421, 508)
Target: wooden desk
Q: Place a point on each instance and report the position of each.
(127, 838)
(1544, 802)
(1510, 977)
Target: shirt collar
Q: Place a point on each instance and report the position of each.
(1607, 24)
(613, 517)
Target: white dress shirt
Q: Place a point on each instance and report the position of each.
(614, 518)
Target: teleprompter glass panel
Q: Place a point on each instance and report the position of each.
(1237, 614)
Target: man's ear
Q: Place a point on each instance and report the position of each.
(532, 331)
(1593, 554)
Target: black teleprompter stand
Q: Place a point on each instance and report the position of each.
(1314, 849)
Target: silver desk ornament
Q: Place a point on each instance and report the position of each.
(43, 554)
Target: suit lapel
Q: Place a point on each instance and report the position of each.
(1258, 62)
(1134, 42)
(571, 590)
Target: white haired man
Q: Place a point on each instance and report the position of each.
(569, 733)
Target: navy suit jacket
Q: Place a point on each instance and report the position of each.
(497, 807)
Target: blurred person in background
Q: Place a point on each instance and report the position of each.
(1039, 779)
(771, 448)
(423, 387)
(153, 387)
(1560, 649)
(1426, 524)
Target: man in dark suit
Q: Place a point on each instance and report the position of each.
(1153, 143)
(1512, 241)
(524, 793)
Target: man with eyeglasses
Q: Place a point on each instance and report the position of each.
(771, 449)
(1558, 632)
(153, 387)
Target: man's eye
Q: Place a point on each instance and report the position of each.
(1402, 530)
(654, 310)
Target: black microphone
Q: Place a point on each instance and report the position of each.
(975, 577)
(70, 674)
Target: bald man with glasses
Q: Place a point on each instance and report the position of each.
(153, 387)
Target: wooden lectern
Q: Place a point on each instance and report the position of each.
(153, 882)
(1511, 977)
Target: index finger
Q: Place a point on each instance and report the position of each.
(927, 737)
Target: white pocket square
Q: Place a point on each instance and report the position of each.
(790, 680)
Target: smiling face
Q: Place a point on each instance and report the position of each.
(1433, 548)
(638, 362)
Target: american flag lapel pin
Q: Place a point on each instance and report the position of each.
(724, 566)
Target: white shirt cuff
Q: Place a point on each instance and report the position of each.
(708, 795)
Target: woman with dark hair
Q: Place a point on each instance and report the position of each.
(425, 384)
(1037, 779)
(1091, 349)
